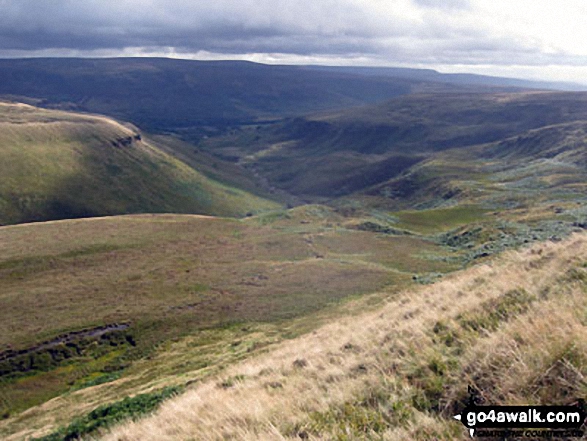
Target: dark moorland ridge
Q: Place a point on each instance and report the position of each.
(453, 78)
(161, 94)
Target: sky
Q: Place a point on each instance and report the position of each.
(534, 39)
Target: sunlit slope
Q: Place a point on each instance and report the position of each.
(64, 165)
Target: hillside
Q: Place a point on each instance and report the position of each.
(430, 240)
(100, 309)
(204, 98)
(514, 330)
(543, 167)
(59, 165)
(201, 98)
(176, 299)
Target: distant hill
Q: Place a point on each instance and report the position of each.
(454, 78)
(165, 94)
(336, 153)
(56, 165)
(161, 94)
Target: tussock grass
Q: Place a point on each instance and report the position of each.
(396, 373)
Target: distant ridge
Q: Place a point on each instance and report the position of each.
(160, 94)
(453, 78)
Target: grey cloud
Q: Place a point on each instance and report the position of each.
(301, 27)
(93, 24)
(338, 28)
(330, 27)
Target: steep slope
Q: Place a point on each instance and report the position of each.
(58, 165)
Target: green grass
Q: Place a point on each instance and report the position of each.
(64, 165)
(104, 416)
(440, 219)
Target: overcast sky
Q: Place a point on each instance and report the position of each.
(521, 38)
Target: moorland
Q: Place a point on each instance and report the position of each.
(277, 251)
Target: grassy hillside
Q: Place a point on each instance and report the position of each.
(540, 167)
(338, 153)
(177, 299)
(100, 309)
(514, 330)
(346, 313)
(58, 165)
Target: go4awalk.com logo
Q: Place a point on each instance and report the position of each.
(524, 421)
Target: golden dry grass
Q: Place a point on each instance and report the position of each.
(278, 396)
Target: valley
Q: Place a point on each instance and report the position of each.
(346, 245)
